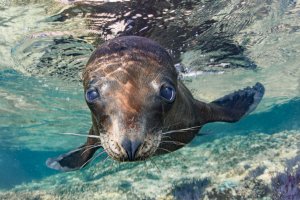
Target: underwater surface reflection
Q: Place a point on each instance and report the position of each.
(232, 44)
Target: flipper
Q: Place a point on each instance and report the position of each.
(234, 106)
(75, 159)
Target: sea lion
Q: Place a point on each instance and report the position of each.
(140, 108)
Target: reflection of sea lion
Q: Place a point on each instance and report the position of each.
(140, 108)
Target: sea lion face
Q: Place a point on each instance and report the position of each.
(129, 94)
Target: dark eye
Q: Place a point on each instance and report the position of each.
(91, 95)
(167, 92)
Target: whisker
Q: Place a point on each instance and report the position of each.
(80, 148)
(111, 165)
(91, 147)
(92, 158)
(165, 136)
(164, 149)
(76, 134)
(105, 159)
(181, 130)
(152, 161)
(145, 165)
(99, 154)
(119, 164)
(174, 142)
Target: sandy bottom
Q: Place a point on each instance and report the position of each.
(227, 167)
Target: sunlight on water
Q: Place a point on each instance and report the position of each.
(44, 46)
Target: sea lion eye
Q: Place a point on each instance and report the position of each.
(91, 95)
(167, 92)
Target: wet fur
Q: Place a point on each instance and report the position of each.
(128, 72)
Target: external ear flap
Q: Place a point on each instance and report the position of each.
(234, 106)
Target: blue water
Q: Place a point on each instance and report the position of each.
(44, 46)
(24, 131)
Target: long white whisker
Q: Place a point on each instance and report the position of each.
(165, 136)
(103, 161)
(151, 160)
(164, 149)
(91, 147)
(80, 148)
(173, 142)
(186, 129)
(112, 164)
(76, 134)
(145, 165)
(181, 130)
(93, 158)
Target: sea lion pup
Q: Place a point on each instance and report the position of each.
(140, 108)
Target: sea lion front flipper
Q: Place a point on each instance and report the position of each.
(75, 159)
(234, 106)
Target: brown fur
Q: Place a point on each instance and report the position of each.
(128, 73)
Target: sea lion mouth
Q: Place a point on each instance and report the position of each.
(129, 150)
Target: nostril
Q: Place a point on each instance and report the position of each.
(131, 147)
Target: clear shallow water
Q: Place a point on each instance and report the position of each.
(45, 44)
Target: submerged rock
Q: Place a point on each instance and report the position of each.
(238, 167)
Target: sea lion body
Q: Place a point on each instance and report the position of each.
(139, 106)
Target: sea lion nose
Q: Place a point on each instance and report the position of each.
(131, 147)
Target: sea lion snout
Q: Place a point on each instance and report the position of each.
(131, 147)
(130, 144)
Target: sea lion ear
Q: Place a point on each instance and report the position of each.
(234, 106)
(72, 160)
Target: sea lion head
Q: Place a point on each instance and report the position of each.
(130, 86)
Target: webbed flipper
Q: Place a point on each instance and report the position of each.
(75, 159)
(234, 106)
